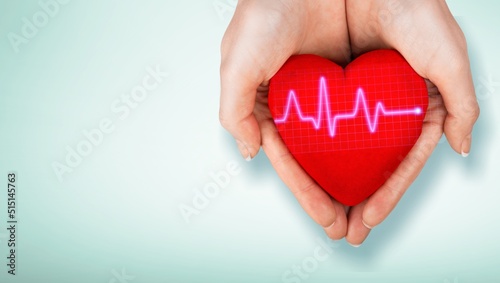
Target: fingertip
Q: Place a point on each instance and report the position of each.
(246, 153)
(353, 245)
(245, 130)
(459, 135)
(367, 225)
(356, 239)
(338, 229)
(466, 146)
(371, 215)
(357, 232)
(242, 147)
(329, 227)
(329, 222)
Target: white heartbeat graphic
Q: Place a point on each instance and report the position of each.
(324, 105)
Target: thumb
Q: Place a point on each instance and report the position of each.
(246, 62)
(454, 81)
(237, 101)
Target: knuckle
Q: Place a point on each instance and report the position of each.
(473, 114)
(307, 187)
(282, 160)
(470, 110)
(461, 39)
(459, 62)
(392, 187)
(476, 112)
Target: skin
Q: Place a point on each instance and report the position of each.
(263, 34)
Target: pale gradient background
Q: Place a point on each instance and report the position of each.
(119, 210)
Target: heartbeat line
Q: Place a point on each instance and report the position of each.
(324, 105)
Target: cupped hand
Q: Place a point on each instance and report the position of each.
(262, 35)
(427, 35)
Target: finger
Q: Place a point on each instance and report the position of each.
(453, 78)
(383, 201)
(450, 71)
(356, 230)
(316, 202)
(239, 84)
(338, 230)
(236, 114)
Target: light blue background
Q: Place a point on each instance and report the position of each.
(118, 211)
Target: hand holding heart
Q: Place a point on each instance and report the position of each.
(264, 34)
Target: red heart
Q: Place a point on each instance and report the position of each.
(349, 129)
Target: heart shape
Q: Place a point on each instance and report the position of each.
(349, 129)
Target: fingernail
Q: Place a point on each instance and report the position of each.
(355, 246)
(466, 144)
(331, 225)
(244, 151)
(366, 225)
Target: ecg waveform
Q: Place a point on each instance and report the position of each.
(324, 105)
